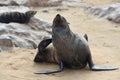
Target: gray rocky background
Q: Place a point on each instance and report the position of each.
(26, 35)
(30, 34)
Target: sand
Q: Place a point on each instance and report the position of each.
(104, 41)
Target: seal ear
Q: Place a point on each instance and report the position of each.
(86, 37)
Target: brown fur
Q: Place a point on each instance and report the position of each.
(50, 55)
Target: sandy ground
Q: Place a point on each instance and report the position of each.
(104, 41)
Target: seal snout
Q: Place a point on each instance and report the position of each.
(58, 15)
(57, 19)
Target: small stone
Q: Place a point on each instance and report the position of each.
(6, 44)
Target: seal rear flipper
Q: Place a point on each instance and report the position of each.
(61, 68)
(103, 68)
(99, 68)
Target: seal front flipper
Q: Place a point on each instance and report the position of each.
(61, 68)
(44, 43)
(99, 68)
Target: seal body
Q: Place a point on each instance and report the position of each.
(73, 49)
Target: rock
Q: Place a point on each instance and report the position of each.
(46, 10)
(34, 45)
(74, 3)
(5, 43)
(109, 12)
(23, 35)
(21, 9)
(19, 42)
(55, 2)
(26, 35)
(39, 24)
(13, 2)
(43, 3)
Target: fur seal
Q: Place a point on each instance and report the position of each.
(72, 49)
(17, 17)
